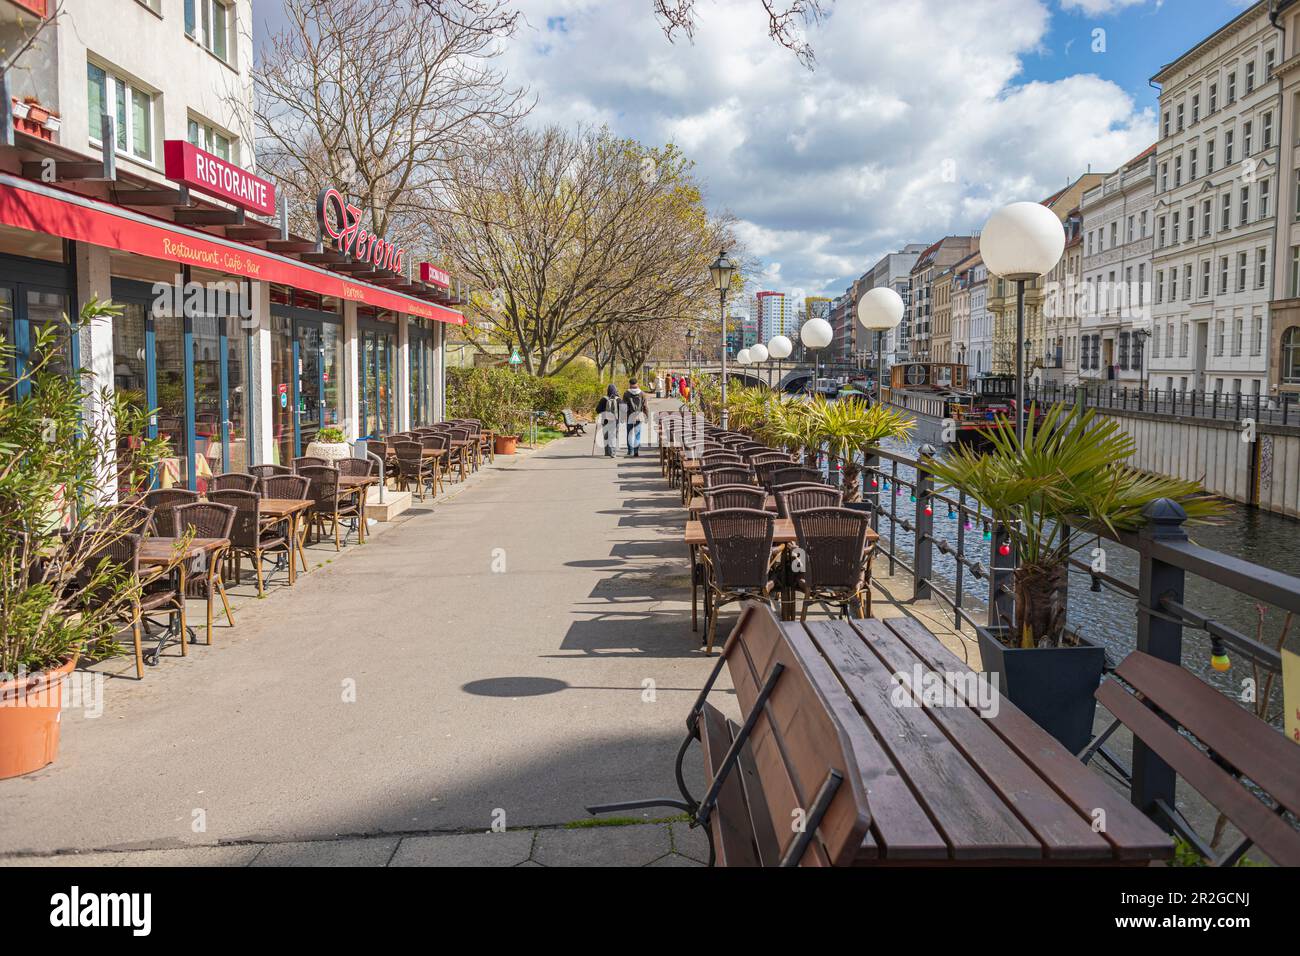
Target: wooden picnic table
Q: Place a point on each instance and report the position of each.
(967, 779)
(169, 554)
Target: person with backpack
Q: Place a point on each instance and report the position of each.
(607, 420)
(634, 404)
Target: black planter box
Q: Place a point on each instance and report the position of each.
(1053, 685)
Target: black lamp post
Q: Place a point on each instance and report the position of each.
(721, 271)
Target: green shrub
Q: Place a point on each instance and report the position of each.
(330, 436)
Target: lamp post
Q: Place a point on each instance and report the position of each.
(816, 334)
(880, 310)
(690, 353)
(1142, 335)
(779, 348)
(721, 271)
(1022, 242)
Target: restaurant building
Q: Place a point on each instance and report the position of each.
(127, 171)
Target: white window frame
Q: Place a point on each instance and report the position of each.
(204, 15)
(112, 80)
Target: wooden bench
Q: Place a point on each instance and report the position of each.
(783, 786)
(571, 424)
(1238, 745)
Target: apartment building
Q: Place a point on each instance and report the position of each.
(1283, 336)
(1057, 364)
(1114, 310)
(1216, 193)
(941, 330)
(127, 171)
(891, 271)
(972, 336)
(774, 314)
(915, 331)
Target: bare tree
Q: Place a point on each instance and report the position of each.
(577, 236)
(28, 35)
(786, 21)
(381, 100)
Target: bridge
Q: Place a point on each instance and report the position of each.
(785, 377)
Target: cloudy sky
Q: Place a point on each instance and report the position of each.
(919, 118)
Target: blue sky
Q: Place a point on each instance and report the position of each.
(920, 118)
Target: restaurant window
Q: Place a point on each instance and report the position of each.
(208, 22)
(131, 106)
(1291, 356)
(212, 140)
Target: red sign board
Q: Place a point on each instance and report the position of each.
(37, 7)
(433, 275)
(186, 163)
(38, 209)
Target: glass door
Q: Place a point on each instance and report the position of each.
(378, 386)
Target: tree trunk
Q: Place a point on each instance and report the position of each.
(850, 481)
(1040, 604)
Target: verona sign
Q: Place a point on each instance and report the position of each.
(186, 163)
(341, 221)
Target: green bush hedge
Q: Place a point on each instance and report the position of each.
(503, 398)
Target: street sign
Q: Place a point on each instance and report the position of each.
(515, 358)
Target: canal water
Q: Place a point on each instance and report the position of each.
(1110, 618)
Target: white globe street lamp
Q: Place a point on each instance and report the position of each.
(1022, 242)
(779, 348)
(880, 310)
(758, 355)
(743, 357)
(816, 334)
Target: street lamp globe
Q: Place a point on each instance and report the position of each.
(743, 357)
(1023, 241)
(880, 310)
(780, 347)
(816, 334)
(721, 271)
(758, 353)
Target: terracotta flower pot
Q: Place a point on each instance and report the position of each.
(506, 444)
(30, 711)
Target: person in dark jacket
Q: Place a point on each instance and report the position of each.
(607, 417)
(634, 408)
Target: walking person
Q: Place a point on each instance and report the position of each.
(634, 406)
(607, 419)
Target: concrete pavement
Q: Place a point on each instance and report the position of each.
(495, 660)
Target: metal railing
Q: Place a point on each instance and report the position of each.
(1190, 403)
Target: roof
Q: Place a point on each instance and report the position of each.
(1231, 25)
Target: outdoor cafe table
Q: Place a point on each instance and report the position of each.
(782, 534)
(167, 553)
(697, 504)
(289, 510)
(357, 484)
(958, 777)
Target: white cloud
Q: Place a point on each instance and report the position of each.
(1095, 8)
(915, 123)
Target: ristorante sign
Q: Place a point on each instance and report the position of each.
(341, 221)
(186, 163)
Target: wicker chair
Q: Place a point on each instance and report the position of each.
(269, 471)
(721, 458)
(728, 476)
(837, 566)
(412, 466)
(163, 502)
(308, 461)
(439, 442)
(749, 449)
(134, 519)
(734, 496)
(460, 454)
(765, 470)
(292, 487)
(356, 467)
(207, 519)
(232, 480)
(246, 534)
(794, 498)
(785, 476)
(329, 502)
(738, 560)
(123, 556)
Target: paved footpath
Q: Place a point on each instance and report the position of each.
(501, 659)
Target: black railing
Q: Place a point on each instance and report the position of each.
(1190, 403)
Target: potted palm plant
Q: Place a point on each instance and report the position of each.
(847, 426)
(57, 459)
(1067, 472)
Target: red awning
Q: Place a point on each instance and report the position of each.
(38, 208)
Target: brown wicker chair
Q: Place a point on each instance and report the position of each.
(207, 519)
(738, 560)
(247, 536)
(163, 502)
(412, 466)
(837, 566)
(356, 467)
(269, 471)
(130, 519)
(232, 480)
(797, 473)
(329, 502)
(440, 443)
(291, 487)
(462, 454)
(714, 477)
(721, 458)
(308, 461)
(122, 555)
(801, 497)
(734, 496)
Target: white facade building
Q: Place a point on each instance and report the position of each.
(1215, 210)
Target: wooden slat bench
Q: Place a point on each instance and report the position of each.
(1165, 698)
(571, 424)
(947, 783)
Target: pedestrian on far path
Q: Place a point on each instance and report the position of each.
(659, 386)
(607, 420)
(685, 389)
(634, 406)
